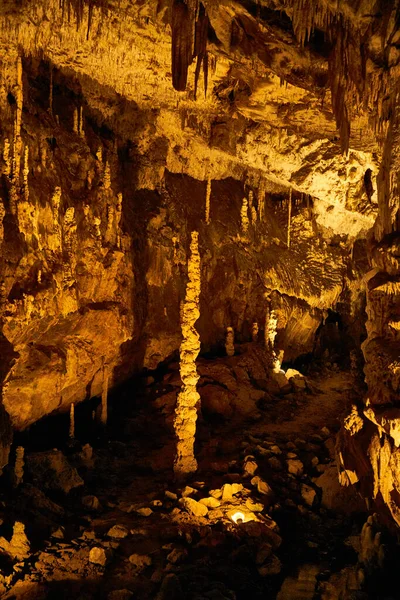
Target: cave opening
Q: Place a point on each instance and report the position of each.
(199, 300)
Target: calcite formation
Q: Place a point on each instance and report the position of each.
(186, 407)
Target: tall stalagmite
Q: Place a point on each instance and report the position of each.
(186, 411)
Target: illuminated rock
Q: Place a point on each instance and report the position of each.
(186, 411)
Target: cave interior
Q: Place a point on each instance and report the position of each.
(199, 299)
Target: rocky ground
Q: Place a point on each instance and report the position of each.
(264, 517)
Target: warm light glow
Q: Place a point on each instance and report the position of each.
(238, 517)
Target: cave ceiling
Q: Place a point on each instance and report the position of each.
(289, 93)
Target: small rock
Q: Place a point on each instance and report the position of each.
(156, 503)
(275, 463)
(171, 495)
(236, 488)
(291, 455)
(227, 492)
(216, 493)
(325, 432)
(120, 595)
(118, 532)
(275, 449)
(59, 533)
(273, 566)
(295, 467)
(144, 512)
(263, 553)
(262, 486)
(91, 502)
(210, 502)
(170, 588)
(140, 561)
(254, 506)
(308, 494)
(188, 491)
(250, 467)
(177, 555)
(314, 461)
(99, 556)
(194, 507)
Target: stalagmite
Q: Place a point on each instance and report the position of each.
(289, 217)
(104, 396)
(75, 126)
(72, 421)
(110, 228)
(254, 332)
(244, 216)
(69, 241)
(230, 341)
(185, 411)
(56, 239)
(118, 217)
(97, 223)
(19, 466)
(81, 129)
(2, 215)
(208, 196)
(25, 173)
(107, 176)
(6, 157)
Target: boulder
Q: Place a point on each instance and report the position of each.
(334, 496)
(51, 470)
(216, 400)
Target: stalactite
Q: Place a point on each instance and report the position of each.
(230, 341)
(185, 411)
(289, 217)
(244, 216)
(19, 466)
(72, 421)
(182, 43)
(104, 396)
(254, 332)
(208, 197)
(200, 48)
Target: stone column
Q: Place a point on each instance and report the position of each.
(186, 411)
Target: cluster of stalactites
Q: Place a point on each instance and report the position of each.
(352, 86)
(189, 24)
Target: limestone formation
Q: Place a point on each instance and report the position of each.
(104, 396)
(19, 466)
(230, 341)
(208, 197)
(186, 407)
(72, 421)
(18, 547)
(244, 217)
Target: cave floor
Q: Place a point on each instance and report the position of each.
(131, 531)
